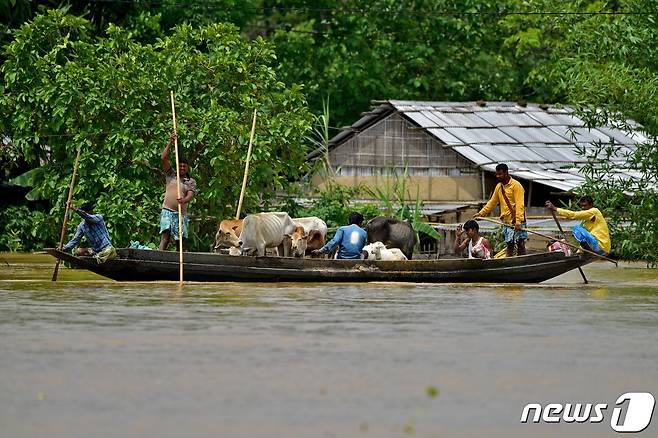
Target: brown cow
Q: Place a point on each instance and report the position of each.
(314, 240)
(227, 235)
(303, 244)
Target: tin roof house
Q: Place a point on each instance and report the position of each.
(451, 149)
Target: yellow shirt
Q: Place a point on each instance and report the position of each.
(515, 192)
(593, 222)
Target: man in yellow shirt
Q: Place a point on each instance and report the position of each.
(509, 194)
(593, 233)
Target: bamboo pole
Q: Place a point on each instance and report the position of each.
(180, 208)
(549, 238)
(559, 227)
(246, 166)
(66, 211)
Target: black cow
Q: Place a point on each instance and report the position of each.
(393, 233)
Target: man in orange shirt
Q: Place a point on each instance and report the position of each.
(509, 194)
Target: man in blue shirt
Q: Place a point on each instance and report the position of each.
(93, 228)
(350, 239)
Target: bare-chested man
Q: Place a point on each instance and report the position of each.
(169, 212)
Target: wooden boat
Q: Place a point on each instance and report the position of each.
(142, 265)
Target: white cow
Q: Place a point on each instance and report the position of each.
(264, 230)
(311, 223)
(378, 251)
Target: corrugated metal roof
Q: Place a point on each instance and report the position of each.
(535, 141)
(553, 118)
(422, 120)
(495, 154)
(457, 118)
(470, 153)
(445, 136)
(480, 135)
(508, 118)
(556, 154)
(580, 135)
(532, 134)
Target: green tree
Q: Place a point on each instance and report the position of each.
(601, 57)
(354, 51)
(65, 89)
(385, 49)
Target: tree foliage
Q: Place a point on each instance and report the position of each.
(65, 89)
(601, 57)
(356, 52)
(103, 84)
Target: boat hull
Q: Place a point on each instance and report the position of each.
(143, 265)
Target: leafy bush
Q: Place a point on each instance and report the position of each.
(65, 90)
(605, 63)
(394, 196)
(24, 230)
(631, 205)
(332, 204)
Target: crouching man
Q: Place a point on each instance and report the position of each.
(93, 228)
(592, 233)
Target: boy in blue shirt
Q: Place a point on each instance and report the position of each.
(350, 239)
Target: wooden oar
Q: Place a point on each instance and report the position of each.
(246, 166)
(180, 208)
(559, 227)
(551, 238)
(66, 212)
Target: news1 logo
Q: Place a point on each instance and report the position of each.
(632, 412)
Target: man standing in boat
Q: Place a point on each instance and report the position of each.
(592, 233)
(94, 229)
(350, 239)
(509, 194)
(169, 212)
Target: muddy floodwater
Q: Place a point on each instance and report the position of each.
(90, 357)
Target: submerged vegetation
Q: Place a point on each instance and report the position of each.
(96, 76)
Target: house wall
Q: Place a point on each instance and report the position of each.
(388, 147)
(437, 188)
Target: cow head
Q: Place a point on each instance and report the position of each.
(226, 237)
(298, 241)
(374, 250)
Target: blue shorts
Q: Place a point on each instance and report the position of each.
(512, 236)
(169, 222)
(584, 236)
